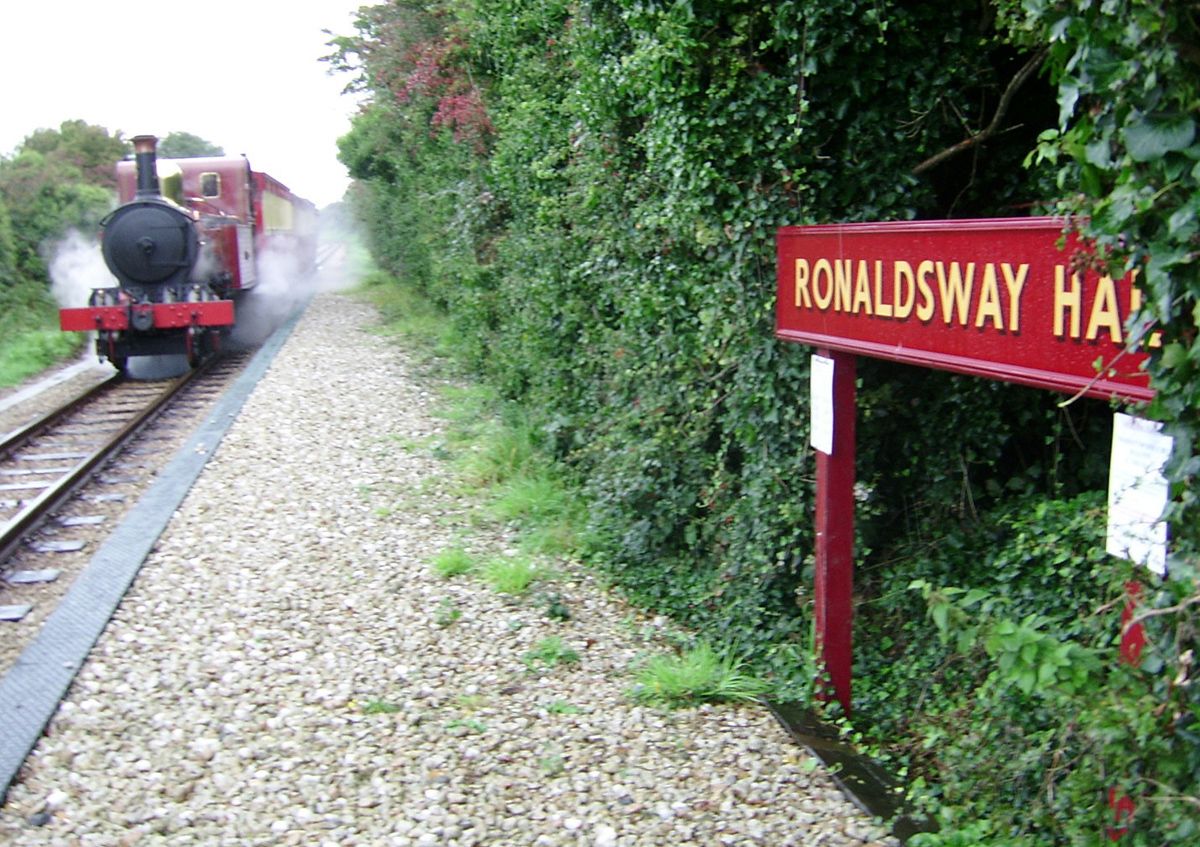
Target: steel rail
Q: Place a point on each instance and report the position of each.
(35, 511)
(19, 436)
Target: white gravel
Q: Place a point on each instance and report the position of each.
(283, 671)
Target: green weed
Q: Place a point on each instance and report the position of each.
(696, 675)
(550, 652)
(447, 613)
(470, 724)
(452, 562)
(556, 608)
(471, 702)
(552, 764)
(512, 575)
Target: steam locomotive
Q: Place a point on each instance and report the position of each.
(184, 244)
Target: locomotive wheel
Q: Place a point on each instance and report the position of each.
(121, 363)
(195, 347)
(200, 347)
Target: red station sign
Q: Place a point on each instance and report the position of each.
(992, 298)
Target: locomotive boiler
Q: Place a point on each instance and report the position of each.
(185, 243)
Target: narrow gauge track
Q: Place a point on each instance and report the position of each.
(68, 478)
(89, 510)
(46, 461)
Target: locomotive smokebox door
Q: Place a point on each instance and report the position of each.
(149, 243)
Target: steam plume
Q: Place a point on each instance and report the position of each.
(76, 267)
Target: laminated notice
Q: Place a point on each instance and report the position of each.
(1138, 492)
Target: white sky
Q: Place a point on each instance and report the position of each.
(242, 74)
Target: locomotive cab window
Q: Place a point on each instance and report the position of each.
(210, 185)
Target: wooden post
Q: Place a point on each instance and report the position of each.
(834, 579)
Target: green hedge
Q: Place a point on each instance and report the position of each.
(591, 189)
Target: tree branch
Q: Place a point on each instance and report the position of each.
(992, 128)
(1154, 613)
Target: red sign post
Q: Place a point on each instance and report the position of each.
(992, 298)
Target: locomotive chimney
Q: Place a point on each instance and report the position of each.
(147, 172)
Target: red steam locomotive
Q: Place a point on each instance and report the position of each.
(187, 240)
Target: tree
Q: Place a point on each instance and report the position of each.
(1128, 76)
(57, 180)
(89, 149)
(8, 250)
(184, 145)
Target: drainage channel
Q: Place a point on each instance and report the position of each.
(860, 778)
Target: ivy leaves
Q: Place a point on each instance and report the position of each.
(1150, 137)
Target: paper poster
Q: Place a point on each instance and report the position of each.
(821, 399)
(1138, 492)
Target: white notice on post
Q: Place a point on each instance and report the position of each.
(821, 400)
(1137, 492)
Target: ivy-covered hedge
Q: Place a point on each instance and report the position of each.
(591, 190)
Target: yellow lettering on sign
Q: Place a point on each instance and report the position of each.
(1104, 312)
(989, 300)
(883, 310)
(802, 298)
(1065, 300)
(902, 277)
(823, 300)
(842, 301)
(925, 310)
(862, 288)
(1015, 283)
(955, 290)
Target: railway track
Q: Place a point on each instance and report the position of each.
(67, 478)
(46, 461)
(127, 501)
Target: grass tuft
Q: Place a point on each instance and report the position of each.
(407, 314)
(452, 562)
(512, 575)
(545, 510)
(501, 454)
(30, 352)
(694, 676)
(550, 652)
(562, 707)
(446, 614)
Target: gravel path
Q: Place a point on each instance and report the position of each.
(287, 669)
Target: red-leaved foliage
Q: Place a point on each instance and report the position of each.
(466, 116)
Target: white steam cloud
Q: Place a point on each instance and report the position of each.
(76, 267)
(282, 287)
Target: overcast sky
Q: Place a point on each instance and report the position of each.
(243, 74)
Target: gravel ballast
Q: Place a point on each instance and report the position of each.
(288, 669)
